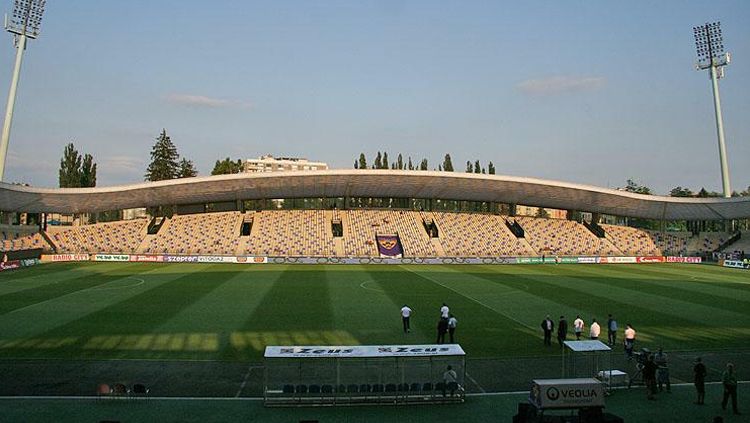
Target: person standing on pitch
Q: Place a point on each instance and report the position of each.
(662, 373)
(444, 311)
(611, 330)
(405, 316)
(578, 327)
(629, 341)
(442, 328)
(547, 327)
(452, 323)
(699, 379)
(729, 380)
(595, 330)
(562, 330)
(649, 377)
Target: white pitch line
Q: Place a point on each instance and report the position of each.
(474, 381)
(99, 288)
(362, 285)
(244, 381)
(475, 300)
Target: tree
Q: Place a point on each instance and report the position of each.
(400, 162)
(384, 163)
(70, 168)
(635, 187)
(469, 167)
(164, 164)
(411, 166)
(356, 164)
(477, 167)
(447, 163)
(362, 161)
(88, 172)
(680, 192)
(227, 167)
(76, 170)
(423, 165)
(187, 169)
(491, 168)
(440, 167)
(378, 161)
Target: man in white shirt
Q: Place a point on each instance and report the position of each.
(444, 311)
(405, 315)
(452, 323)
(629, 340)
(578, 327)
(595, 330)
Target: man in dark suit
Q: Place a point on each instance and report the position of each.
(562, 330)
(548, 326)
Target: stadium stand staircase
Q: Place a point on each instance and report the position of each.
(438, 247)
(733, 239)
(742, 243)
(149, 238)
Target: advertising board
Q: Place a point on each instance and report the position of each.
(616, 260)
(546, 394)
(111, 257)
(10, 265)
(671, 259)
(650, 259)
(64, 257)
(736, 264)
(146, 258)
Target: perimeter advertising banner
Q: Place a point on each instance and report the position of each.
(548, 394)
(64, 257)
(616, 260)
(652, 259)
(111, 257)
(146, 258)
(10, 265)
(736, 264)
(671, 259)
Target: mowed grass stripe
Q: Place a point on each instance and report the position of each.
(484, 314)
(53, 289)
(651, 323)
(59, 311)
(19, 280)
(737, 300)
(298, 300)
(363, 305)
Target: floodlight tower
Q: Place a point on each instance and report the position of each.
(24, 24)
(710, 47)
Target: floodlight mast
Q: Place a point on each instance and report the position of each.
(24, 24)
(709, 45)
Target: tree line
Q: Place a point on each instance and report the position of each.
(381, 161)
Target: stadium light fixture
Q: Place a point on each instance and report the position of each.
(24, 23)
(709, 44)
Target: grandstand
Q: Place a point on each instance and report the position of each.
(308, 233)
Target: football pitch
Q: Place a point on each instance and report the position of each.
(221, 313)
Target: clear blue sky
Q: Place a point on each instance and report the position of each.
(579, 91)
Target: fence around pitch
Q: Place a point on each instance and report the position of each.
(346, 375)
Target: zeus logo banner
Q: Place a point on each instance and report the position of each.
(364, 351)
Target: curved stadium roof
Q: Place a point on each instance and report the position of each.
(371, 183)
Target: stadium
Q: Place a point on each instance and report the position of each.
(277, 296)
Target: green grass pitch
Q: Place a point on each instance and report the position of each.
(231, 312)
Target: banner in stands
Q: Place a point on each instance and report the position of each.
(65, 257)
(736, 264)
(389, 246)
(10, 265)
(616, 260)
(111, 257)
(361, 351)
(672, 259)
(147, 258)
